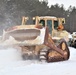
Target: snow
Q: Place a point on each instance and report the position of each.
(11, 63)
(9, 54)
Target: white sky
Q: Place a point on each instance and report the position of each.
(66, 3)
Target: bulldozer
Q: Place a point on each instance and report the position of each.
(36, 40)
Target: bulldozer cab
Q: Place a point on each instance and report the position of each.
(53, 23)
(35, 40)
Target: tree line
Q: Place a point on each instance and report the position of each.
(11, 12)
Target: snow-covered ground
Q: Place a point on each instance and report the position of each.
(11, 63)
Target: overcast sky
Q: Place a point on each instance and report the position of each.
(66, 3)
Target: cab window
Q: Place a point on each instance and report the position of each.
(42, 22)
(49, 24)
(55, 24)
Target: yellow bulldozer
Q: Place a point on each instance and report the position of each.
(36, 40)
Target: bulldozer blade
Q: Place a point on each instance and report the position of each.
(21, 35)
(24, 37)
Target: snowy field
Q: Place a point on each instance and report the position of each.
(11, 63)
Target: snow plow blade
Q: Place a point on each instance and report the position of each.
(23, 34)
(24, 37)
